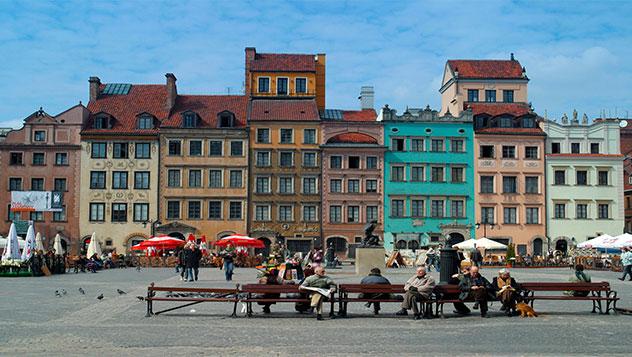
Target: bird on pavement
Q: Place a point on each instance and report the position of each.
(140, 298)
(64, 292)
(57, 293)
(121, 292)
(100, 297)
(138, 268)
(82, 291)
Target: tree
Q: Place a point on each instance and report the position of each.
(511, 253)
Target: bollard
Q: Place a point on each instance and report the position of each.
(449, 263)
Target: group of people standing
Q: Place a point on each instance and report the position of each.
(188, 263)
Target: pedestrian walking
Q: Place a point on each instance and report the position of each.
(626, 261)
(229, 264)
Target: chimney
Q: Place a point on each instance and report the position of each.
(367, 96)
(95, 82)
(172, 91)
(251, 53)
(512, 58)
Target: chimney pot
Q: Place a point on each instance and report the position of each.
(367, 97)
(172, 91)
(95, 82)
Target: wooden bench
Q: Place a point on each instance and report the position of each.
(204, 295)
(598, 293)
(288, 293)
(388, 290)
(447, 294)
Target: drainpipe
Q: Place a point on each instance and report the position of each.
(153, 224)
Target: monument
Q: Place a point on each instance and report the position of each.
(369, 254)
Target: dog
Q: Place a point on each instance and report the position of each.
(525, 310)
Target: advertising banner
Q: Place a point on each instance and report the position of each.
(40, 201)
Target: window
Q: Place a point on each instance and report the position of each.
(594, 148)
(397, 173)
(37, 184)
(371, 213)
(142, 151)
(603, 210)
(215, 148)
(236, 148)
(39, 159)
(214, 178)
(301, 85)
(120, 151)
(458, 208)
(371, 186)
(97, 212)
(436, 145)
(195, 148)
(282, 86)
(15, 184)
(509, 215)
(555, 148)
(39, 135)
(560, 210)
(505, 122)
(141, 212)
(173, 209)
(533, 215)
(509, 152)
(195, 209)
(436, 208)
(335, 162)
(560, 177)
(353, 214)
(531, 152)
(436, 174)
(195, 178)
(263, 136)
(119, 212)
(487, 151)
(417, 173)
(509, 184)
(141, 180)
(309, 136)
(235, 180)
(582, 177)
(263, 158)
(353, 162)
(16, 158)
(262, 185)
(286, 185)
(531, 184)
(37, 216)
(286, 159)
(309, 185)
(215, 210)
(397, 208)
(603, 178)
(286, 213)
(60, 216)
(61, 159)
(417, 145)
(353, 186)
(264, 85)
(371, 162)
(335, 214)
(490, 95)
(189, 120)
(309, 159)
(581, 211)
(97, 179)
(487, 215)
(508, 96)
(226, 119)
(287, 136)
(175, 147)
(100, 122)
(457, 174)
(234, 210)
(173, 178)
(417, 208)
(335, 185)
(12, 216)
(457, 145)
(262, 213)
(574, 148)
(99, 151)
(119, 180)
(145, 122)
(398, 144)
(472, 95)
(487, 184)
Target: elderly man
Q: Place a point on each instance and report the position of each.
(374, 277)
(506, 290)
(318, 280)
(475, 286)
(418, 290)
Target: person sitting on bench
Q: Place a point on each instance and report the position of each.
(270, 277)
(475, 286)
(321, 281)
(506, 290)
(374, 277)
(579, 277)
(418, 290)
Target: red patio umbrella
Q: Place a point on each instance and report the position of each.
(160, 242)
(239, 240)
(191, 238)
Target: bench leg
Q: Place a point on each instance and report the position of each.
(234, 314)
(331, 309)
(249, 309)
(150, 311)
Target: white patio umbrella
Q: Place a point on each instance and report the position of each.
(39, 245)
(94, 246)
(29, 243)
(3, 242)
(12, 248)
(484, 243)
(59, 249)
(604, 241)
(624, 240)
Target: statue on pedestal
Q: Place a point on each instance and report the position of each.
(370, 239)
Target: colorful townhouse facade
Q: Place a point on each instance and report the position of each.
(584, 189)
(428, 174)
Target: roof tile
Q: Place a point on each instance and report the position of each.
(207, 107)
(283, 62)
(491, 69)
(495, 109)
(352, 138)
(290, 109)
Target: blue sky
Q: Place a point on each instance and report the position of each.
(577, 54)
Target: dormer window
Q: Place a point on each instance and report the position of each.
(528, 123)
(102, 121)
(145, 121)
(226, 119)
(505, 122)
(189, 119)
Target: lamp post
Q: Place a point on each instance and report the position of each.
(484, 224)
(153, 224)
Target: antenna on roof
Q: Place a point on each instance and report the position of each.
(227, 90)
(512, 57)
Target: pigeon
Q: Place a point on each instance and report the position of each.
(121, 292)
(138, 268)
(140, 298)
(63, 292)
(100, 297)
(81, 291)
(57, 293)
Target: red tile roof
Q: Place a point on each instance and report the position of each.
(291, 109)
(352, 138)
(585, 155)
(283, 62)
(359, 115)
(492, 69)
(495, 109)
(511, 131)
(207, 107)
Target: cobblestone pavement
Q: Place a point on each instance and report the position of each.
(34, 321)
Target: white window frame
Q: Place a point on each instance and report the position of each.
(269, 84)
(288, 85)
(306, 85)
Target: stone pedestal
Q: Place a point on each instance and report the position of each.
(369, 258)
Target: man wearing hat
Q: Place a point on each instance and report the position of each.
(506, 290)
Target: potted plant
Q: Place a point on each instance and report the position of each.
(510, 257)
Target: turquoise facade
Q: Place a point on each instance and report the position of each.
(428, 178)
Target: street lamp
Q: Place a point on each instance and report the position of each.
(485, 224)
(153, 224)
